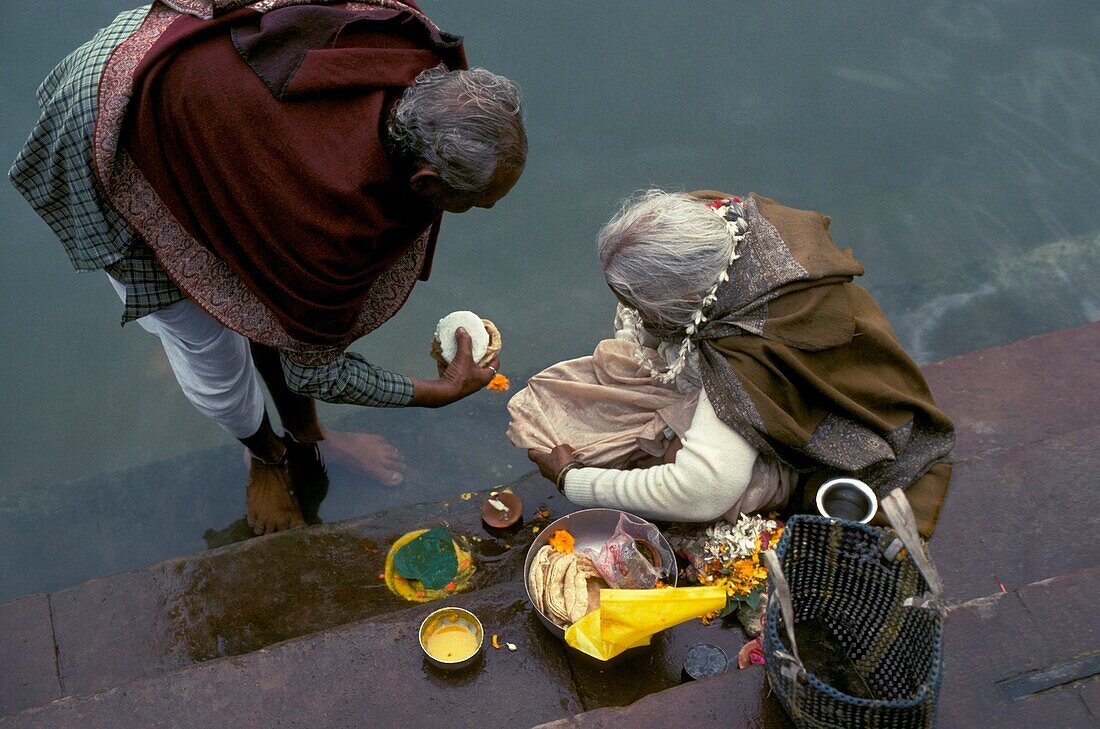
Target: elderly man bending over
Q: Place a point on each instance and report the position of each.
(264, 185)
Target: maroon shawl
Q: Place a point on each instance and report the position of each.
(263, 137)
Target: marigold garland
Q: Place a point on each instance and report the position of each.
(499, 383)
(728, 555)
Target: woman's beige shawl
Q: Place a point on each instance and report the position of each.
(605, 406)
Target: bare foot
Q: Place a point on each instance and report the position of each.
(271, 504)
(367, 453)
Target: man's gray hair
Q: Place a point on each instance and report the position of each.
(463, 124)
(662, 252)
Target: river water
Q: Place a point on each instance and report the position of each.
(955, 145)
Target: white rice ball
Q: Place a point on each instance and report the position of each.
(471, 322)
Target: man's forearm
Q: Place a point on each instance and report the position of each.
(350, 380)
(432, 393)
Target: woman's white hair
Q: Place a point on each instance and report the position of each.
(463, 124)
(663, 252)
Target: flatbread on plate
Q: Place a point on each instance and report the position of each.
(536, 579)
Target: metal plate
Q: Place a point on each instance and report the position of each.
(590, 528)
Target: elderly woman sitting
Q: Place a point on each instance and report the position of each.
(747, 368)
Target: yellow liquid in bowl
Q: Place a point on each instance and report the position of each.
(450, 643)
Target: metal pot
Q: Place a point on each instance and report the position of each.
(847, 498)
(590, 529)
(448, 616)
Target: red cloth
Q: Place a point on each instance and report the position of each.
(296, 194)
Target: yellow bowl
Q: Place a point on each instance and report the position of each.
(451, 638)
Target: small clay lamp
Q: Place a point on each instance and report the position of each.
(496, 517)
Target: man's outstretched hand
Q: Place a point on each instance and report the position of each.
(462, 377)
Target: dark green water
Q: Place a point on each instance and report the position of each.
(954, 144)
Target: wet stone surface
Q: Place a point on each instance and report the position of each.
(237, 601)
(1024, 496)
(994, 639)
(370, 673)
(734, 700)
(241, 598)
(644, 671)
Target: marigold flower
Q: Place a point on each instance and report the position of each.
(499, 383)
(562, 541)
(728, 555)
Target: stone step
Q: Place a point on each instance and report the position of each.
(232, 600)
(1032, 632)
(1021, 392)
(1037, 632)
(540, 681)
(371, 673)
(134, 627)
(27, 654)
(1020, 515)
(1026, 447)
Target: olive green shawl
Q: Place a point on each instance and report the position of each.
(803, 363)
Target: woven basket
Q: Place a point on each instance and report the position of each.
(879, 596)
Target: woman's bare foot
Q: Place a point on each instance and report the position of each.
(271, 503)
(367, 453)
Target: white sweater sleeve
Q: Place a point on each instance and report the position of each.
(710, 474)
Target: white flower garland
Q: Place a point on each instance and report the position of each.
(733, 214)
(723, 540)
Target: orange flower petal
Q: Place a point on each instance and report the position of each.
(499, 383)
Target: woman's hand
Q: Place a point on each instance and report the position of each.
(550, 463)
(462, 377)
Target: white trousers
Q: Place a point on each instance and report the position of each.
(212, 364)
